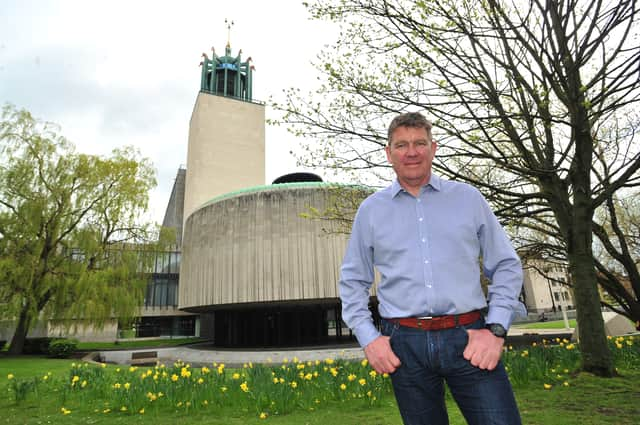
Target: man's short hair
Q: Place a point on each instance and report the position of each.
(409, 119)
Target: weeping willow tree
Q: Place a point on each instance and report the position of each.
(69, 232)
(533, 102)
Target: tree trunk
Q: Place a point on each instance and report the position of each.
(20, 335)
(596, 356)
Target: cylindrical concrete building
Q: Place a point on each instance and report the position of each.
(259, 273)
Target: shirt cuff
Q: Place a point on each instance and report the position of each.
(505, 316)
(366, 333)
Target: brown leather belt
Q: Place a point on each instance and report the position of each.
(438, 322)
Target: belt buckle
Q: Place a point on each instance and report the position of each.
(423, 319)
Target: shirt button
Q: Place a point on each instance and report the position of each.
(426, 261)
(424, 240)
(420, 219)
(428, 286)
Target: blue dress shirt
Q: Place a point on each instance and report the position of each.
(428, 251)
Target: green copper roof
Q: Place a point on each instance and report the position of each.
(227, 75)
(277, 187)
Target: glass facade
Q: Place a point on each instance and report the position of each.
(162, 289)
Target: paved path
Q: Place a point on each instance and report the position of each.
(235, 358)
(198, 356)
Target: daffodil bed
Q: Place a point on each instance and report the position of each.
(261, 392)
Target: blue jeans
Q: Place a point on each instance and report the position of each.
(429, 358)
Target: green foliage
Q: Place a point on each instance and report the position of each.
(339, 208)
(62, 348)
(21, 388)
(69, 231)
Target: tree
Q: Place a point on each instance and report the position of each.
(68, 228)
(340, 207)
(533, 102)
(618, 253)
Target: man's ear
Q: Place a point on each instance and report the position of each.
(387, 150)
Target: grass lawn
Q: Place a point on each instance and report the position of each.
(139, 343)
(586, 400)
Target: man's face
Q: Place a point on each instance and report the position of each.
(411, 153)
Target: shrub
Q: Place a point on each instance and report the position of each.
(62, 348)
(36, 345)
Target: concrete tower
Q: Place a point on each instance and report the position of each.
(226, 150)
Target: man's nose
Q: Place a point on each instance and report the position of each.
(412, 150)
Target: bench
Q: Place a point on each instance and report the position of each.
(144, 358)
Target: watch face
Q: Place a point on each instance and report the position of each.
(498, 330)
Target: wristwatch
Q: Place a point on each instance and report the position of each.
(497, 329)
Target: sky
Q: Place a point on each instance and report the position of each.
(120, 73)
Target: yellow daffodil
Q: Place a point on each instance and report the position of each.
(263, 415)
(343, 387)
(547, 386)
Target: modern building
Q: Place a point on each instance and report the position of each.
(546, 287)
(253, 271)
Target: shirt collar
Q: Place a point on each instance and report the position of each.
(434, 181)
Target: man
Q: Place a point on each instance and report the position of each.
(425, 236)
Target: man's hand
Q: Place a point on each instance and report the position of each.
(483, 349)
(380, 355)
